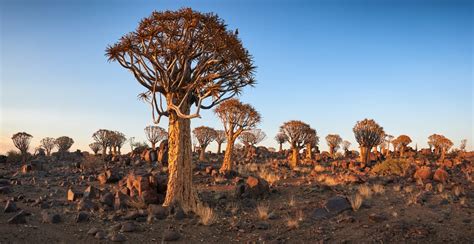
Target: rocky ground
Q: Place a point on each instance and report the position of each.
(81, 202)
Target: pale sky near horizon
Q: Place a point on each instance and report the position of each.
(406, 64)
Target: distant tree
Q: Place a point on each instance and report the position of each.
(462, 147)
(131, 141)
(116, 141)
(155, 134)
(95, 147)
(368, 134)
(346, 145)
(103, 137)
(297, 133)
(311, 141)
(441, 144)
(22, 140)
(184, 57)
(281, 138)
(220, 138)
(237, 118)
(388, 140)
(252, 137)
(204, 135)
(48, 144)
(64, 143)
(333, 141)
(402, 141)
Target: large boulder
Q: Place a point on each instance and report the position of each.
(254, 187)
(440, 175)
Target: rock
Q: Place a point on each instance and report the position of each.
(179, 214)
(100, 235)
(50, 218)
(4, 182)
(132, 215)
(5, 189)
(93, 231)
(128, 227)
(254, 188)
(107, 199)
(170, 235)
(377, 218)
(440, 175)
(320, 213)
(120, 200)
(109, 176)
(262, 225)
(157, 211)
(10, 207)
(91, 192)
(72, 196)
(423, 173)
(337, 204)
(85, 205)
(82, 217)
(19, 218)
(117, 237)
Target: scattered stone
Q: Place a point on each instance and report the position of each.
(129, 227)
(157, 211)
(107, 199)
(100, 235)
(117, 237)
(82, 217)
(320, 213)
(10, 207)
(5, 189)
(337, 204)
(93, 231)
(91, 192)
(440, 175)
(19, 218)
(72, 196)
(170, 235)
(262, 225)
(50, 218)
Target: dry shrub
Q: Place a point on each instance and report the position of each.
(292, 201)
(409, 189)
(262, 211)
(440, 188)
(457, 190)
(412, 199)
(292, 223)
(378, 189)
(207, 215)
(233, 207)
(269, 176)
(462, 201)
(391, 167)
(365, 191)
(397, 187)
(356, 201)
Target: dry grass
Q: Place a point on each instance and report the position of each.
(440, 188)
(365, 191)
(269, 176)
(462, 201)
(409, 189)
(397, 188)
(378, 189)
(319, 168)
(262, 211)
(356, 201)
(207, 215)
(234, 208)
(457, 190)
(300, 215)
(412, 199)
(292, 223)
(292, 201)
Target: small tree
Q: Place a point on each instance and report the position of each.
(131, 141)
(155, 134)
(311, 141)
(297, 133)
(440, 143)
(368, 134)
(220, 138)
(116, 141)
(281, 138)
(346, 145)
(402, 142)
(95, 147)
(204, 135)
(252, 137)
(103, 137)
(64, 143)
(236, 118)
(48, 144)
(333, 141)
(22, 140)
(463, 145)
(183, 58)
(388, 140)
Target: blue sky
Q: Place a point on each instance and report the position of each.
(406, 64)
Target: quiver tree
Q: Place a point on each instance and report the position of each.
(103, 137)
(388, 139)
(333, 141)
(463, 145)
(182, 58)
(402, 142)
(346, 145)
(95, 147)
(311, 141)
(297, 133)
(204, 135)
(368, 134)
(155, 134)
(220, 138)
(48, 144)
(281, 138)
(252, 137)
(64, 143)
(440, 143)
(236, 118)
(117, 139)
(131, 141)
(22, 140)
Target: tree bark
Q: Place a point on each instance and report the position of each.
(443, 154)
(104, 151)
(180, 188)
(294, 158)
(228, 160)
(364, 155)
(309, 153)
(331, 151)
(202, 154)
(153, 146)
(281, 147)
(219, 148)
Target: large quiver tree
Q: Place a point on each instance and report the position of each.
(182, 58)
(297, 133)
(368, 134)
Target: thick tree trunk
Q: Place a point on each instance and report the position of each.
(309, 153)
(364, 155)
(219, 148)
(228, 160)
(153, 146)
(281, 147)
(402, 150)
(202, 154)
(180, 182)
(294, 158)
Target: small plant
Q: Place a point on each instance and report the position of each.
(365, 191)
(412, 199)
(234, 208)
(356, 201)
(262, 211)
(378, 189)
(208, 217)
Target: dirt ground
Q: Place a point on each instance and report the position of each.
(397, 211)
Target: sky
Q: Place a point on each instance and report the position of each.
(406, 64)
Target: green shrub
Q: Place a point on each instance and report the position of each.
(391, 167)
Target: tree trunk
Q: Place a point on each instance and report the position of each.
(331, 151)
(228, 163)
(202, 154)
(402, 150)
(294, 158)
(180, 176)
(364, 155)
(309, 153)
(104, 151)
(281, 147)
(219, 148)
(153, 146)
(443, 154)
